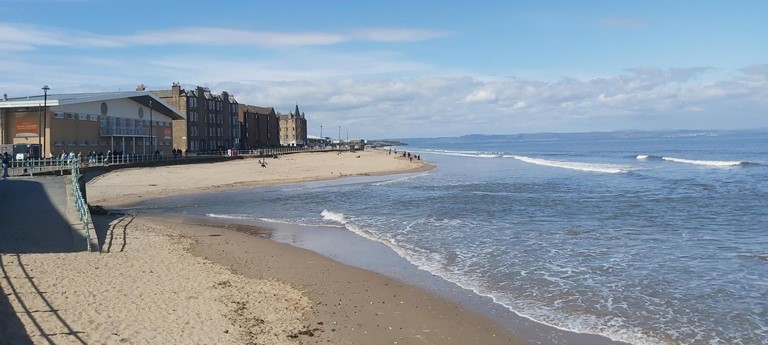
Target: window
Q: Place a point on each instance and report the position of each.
(58, 115)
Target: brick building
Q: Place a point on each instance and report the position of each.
(210, 121)
(259, 126)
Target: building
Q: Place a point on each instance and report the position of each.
(210, 121)
(293, 129)
(259, 126)
(124, 122)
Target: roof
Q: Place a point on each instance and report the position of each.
(259, 110)
(141, 97)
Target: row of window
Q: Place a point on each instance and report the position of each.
(75, 116)
(139, 141)
(211, 105)
(212, 145)
(110, 120)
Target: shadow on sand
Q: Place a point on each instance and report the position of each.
(32, 220)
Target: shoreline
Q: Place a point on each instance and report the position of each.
(351, 305)
(483, 320)
(247, 173)
(381, 261)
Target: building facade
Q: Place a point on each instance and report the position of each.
(259, 126)
(293, 129)
(120, 122)
(210, 121)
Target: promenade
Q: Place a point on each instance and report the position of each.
(35, 216)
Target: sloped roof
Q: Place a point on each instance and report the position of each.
(141, 97)
(259, 110)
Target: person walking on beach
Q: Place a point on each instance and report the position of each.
(6, 161)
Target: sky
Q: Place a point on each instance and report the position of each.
(418, 68)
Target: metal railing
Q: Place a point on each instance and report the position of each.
(82, 206)
(30, 167)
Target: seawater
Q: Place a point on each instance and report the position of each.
(660, 240)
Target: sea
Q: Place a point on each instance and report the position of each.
(640, 237)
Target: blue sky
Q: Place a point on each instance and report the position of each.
(413, 68)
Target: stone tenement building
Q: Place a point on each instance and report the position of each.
(293, 129)
(259, 127)
(210, 121)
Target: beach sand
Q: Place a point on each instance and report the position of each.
(164, 281)
(125, 186)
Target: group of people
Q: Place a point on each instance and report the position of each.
(406, 155)
(178, 153)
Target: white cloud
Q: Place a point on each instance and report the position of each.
(397, 35)
(478, 96)
(438, 106)
(21, 36)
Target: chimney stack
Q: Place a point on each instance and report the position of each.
(141, 87)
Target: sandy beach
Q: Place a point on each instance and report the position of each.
(166, 281)
(127, 186)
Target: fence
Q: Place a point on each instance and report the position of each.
(82, 206)
(62, 164)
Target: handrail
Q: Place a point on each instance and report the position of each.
(82, 206)
(30, 167)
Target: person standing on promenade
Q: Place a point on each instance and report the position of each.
(6, 161)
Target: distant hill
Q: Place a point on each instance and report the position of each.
(624, 134)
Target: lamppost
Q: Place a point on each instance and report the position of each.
(339, 136)
(151, 130)
(45, 118)
(322, 140)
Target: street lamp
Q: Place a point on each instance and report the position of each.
(45, 118)
(151, 130)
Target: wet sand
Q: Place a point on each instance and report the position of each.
(164, 280)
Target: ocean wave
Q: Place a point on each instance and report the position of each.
(229, 216)
(267, 220)
(754, 256)
(647, 157)
(473, 154)
(436, 264)
(398, 180)
(581, 166)
(708, 162)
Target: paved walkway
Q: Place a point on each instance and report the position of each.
(36, 216)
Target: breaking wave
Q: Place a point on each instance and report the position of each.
(707, 162)
(581, 166)
(473, 154)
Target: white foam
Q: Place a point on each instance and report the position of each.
(472, 154)
(228, 216)
(402, 179)
(705, 162)
(334, 216)
(435, 263)
(581, 166)
(642, 157)
(294, 222)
